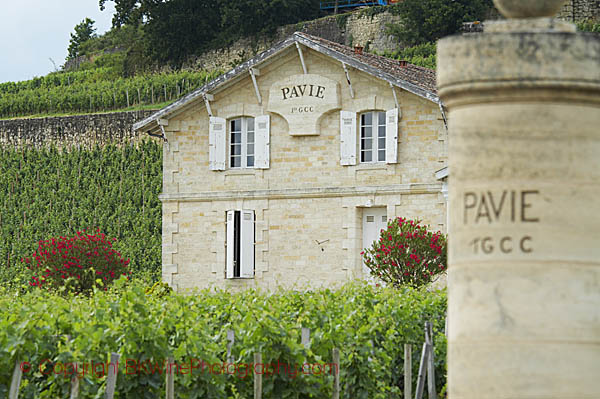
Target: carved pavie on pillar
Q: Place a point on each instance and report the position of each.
(524, 249)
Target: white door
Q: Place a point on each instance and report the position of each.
(374, 220)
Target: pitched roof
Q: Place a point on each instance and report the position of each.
(415, 79)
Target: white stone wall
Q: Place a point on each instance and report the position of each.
(305, 196)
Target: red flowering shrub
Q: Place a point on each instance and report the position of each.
(407, 254)
(76, 263)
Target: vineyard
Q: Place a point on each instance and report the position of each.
(48, 193)
(95, 90)
(368, 325)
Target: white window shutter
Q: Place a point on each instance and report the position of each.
(262, 142)
(247, 244)
(348, 136)
(391, 136)
(230, 237)
(217, 143)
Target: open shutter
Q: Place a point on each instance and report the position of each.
(391, 136)
(348, 135)
(262, 141)
(216, 143)
(247, 245)
(230, 237)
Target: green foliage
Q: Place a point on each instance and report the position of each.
(429, 20)
(83, 32)
(369, 325)
(92, 90)
(589, 26)
(159, 289)
(76, 264)
(175, 30)
(407, 254)
(46, 193)
(423, 55)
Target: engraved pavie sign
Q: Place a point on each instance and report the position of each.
(302, 100)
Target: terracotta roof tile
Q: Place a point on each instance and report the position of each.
(424, 78)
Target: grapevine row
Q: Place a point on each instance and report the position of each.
(93, 93)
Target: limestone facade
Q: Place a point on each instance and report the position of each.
(308, 207)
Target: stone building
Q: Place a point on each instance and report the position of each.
(280, 171)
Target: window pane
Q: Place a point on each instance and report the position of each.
(250, 137)
(381, 131)
(367, 156)
(381, 118)
(236, 150)
(236, 125)
(381, 155)
(236, 138)
(367, 118)
(367, 131)
(250, 124)
(236, 162)
(250, 161)
(381, 143)
(366, 144)
(250, 149)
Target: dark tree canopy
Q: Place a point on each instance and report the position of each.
(429, 20)
(176, 29)
(83, 31)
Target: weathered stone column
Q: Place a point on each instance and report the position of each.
(524, 260)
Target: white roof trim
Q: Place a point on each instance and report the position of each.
(242, 70)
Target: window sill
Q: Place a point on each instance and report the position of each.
(372, 166)
(241, 172)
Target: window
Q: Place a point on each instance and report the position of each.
(240, 244)
(372, 137)
(241, 134)
(377, 134)
(248, 143)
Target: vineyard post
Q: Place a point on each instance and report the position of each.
(335, 354)
(170, 379)
(152, 94)
(230, 341)
(139, 96)
(111, 380)
(257, 377)
(75, 383)
(165, 89)
(127, 94)
(407, 370)
(430, 366)
(90, 102)
(15, 384)
(305, 340)
(421, 377)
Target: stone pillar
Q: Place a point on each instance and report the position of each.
(524, 181)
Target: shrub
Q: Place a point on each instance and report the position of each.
(77, 263)
(407, 254)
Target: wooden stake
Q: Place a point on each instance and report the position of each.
(111, 380)
(421, 377)
(15, 384)
(230, 341)
(335, 354)
(407, 370)
(305, 340)
(75, 383)
(257, 377)
(170, 379)
(430, 365)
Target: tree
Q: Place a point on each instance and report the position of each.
(407, 254)
(429, 20)
(83, 31)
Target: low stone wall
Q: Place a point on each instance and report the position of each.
(77, 130)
